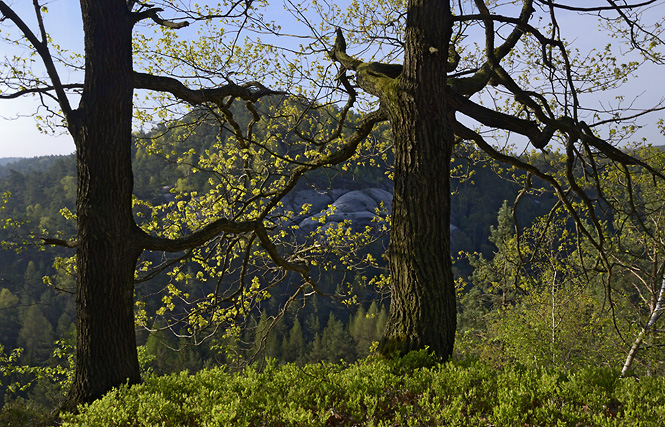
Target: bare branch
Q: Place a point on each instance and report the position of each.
(338, 53)
(43, 90)
(43, 51)
(251, 91)
(152, 13)
(659, 107)
(299, 266)
(594, 8)
(59, 242)
(470, 85)
(499, 120)
(230, 8)
(373, 77)
(612, 152)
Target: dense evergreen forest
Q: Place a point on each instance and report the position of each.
(550, 310)
(36, 296)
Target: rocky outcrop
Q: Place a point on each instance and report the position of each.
(357, 206)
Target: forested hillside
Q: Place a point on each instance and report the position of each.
(36, 293)
(530, 297)
(6, 160)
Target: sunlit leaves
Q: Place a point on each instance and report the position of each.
(241, 168)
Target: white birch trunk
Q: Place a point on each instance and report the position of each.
(653, 318)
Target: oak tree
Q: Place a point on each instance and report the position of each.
(108, 241)
(432, 82)
(535, 86)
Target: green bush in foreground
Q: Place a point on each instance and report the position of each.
(375, 392)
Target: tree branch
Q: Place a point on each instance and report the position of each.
(470, 85)
(337, 157)
(468, 134)
(373, 77)
(251, 91)
(495, 119)
(59, 242)
(152, 13)
(213, 229)
(594, 8)
(299, 266)
(43, 90)
(585, 134)
(43, 52)
(197, 238)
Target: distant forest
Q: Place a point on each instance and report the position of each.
(6, 160)
(37, 310)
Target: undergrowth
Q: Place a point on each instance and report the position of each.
(412, 391)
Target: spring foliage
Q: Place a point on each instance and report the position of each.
(414, 390)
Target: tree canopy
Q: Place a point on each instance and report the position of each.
(442, 74)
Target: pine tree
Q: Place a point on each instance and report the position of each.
(32, 284)
(367, 327)
(381, 320)
(336, 343)
(158, 345)
(35, 336)
(9, 324)
(267, 341)
(293, 345)
(362, 329)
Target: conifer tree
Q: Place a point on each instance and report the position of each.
(336, 344)
(293, 345)
(9, 319)
(35, 336)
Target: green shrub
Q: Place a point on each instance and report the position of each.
(23, 413)
(413, 390)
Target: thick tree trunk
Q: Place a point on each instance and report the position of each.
(107, 250)
(423, 308)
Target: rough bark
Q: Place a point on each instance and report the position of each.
(423, 309)
(106, 249)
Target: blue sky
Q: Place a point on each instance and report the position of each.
(19, 136)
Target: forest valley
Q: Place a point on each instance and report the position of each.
(529, 297)
(263, 188)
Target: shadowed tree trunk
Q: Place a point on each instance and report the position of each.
(108, 240)
(422, 310)
(421, 102)
(106, 251)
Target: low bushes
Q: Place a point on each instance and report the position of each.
(410, 391)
